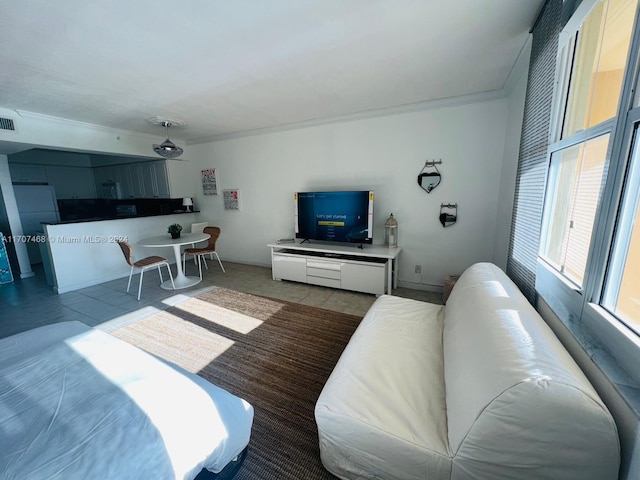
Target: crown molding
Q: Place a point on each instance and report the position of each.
(368, 114)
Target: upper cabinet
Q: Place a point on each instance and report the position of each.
(147, 179)
(71, 182)
(137, 180)
(23, 173)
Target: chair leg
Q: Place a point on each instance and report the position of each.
(199, 264)
(170, 275)
(218, 257)
(205, 261)
(129, 284)
(160, 273)
(140, 284)
(184, 260)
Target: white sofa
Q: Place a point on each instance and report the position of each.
(479, 389)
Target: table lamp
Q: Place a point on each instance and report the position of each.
(187, 202)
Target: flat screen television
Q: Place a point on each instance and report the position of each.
(345, 216)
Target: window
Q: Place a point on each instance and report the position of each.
(575, 179)
(591, 68)
(597, 68)
(622, 293)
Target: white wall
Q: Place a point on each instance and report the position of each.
(516, 90)
(384, 154)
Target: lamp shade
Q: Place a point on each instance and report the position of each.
(166, 149)
(187, 202)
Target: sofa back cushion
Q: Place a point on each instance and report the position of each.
(516, 400)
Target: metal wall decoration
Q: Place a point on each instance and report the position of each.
(428, 180)
(448, 218)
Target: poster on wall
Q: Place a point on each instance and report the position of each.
(209, 182)
(231, 199)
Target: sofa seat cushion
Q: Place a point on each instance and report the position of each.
(382, 412)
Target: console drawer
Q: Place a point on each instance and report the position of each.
(319, 264)
(325, 282)
(321, 272)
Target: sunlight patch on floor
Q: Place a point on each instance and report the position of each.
(127, 318)
(200, 346)
(235, 321)
(176, 299)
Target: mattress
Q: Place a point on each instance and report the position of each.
(77, 403)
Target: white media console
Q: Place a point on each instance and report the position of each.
(372, 269)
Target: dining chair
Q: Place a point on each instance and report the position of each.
(200, 253)
(198, 228)
(143, 264)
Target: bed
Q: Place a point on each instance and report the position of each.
(78, 403)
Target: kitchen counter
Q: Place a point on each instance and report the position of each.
(122, 217)
(92, 209)
(85, 253)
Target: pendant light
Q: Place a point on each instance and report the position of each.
(167, 149)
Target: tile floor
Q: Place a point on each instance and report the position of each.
(30, 303)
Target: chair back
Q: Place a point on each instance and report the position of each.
(215, 233)
(127, 251)
(198, 227)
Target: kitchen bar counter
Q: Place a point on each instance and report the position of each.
(123, 217)
(86, 253)
(84, 209)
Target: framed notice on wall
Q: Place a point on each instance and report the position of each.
(209, 182)
(231, 199)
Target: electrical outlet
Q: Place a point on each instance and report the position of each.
(418, 268)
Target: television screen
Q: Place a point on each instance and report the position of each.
(334, 216)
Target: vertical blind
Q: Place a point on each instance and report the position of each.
(534, 142)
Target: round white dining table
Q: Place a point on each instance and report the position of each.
(180, 280)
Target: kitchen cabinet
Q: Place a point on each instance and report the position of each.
(25, 173)
(134, 180)
(147, 174)
(137, 180)
(71, 182)
(153, 179)
(162, 179)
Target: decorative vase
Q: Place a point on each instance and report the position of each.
(175, 234)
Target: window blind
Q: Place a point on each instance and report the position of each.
(534, 142)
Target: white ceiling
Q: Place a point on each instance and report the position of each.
(229, 66)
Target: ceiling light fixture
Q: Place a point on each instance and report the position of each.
(166, 149)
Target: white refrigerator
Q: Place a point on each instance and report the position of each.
(36, 204)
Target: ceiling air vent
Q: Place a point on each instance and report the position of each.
(7, 124)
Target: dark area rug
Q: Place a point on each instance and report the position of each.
(275, 354)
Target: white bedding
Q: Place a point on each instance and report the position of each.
(77, 403)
